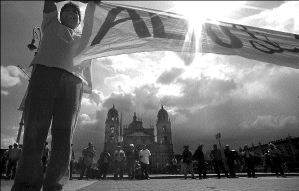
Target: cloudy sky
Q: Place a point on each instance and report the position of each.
(247, 101)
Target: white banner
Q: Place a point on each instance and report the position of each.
(122, 30)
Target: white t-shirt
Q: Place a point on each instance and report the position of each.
(60, 44)
(144, 155)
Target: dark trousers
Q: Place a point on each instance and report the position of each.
(277, 164)
(144, 170)
(53, 97)
(11, 168)
(86, 169)
(103, 170)
(231, 168)
(202, 170)
(218, 165)
(131, 168)
(118, 169)
(250, 167)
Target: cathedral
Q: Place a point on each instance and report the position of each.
(160, 145)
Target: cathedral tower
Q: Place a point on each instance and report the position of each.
(112, 130)
(163, 127)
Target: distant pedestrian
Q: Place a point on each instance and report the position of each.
(276, 159)
(13, 158)
(131, 158)
(45, 157)
(199, 157)
(267, 162)
(5, 161)
(174, 165)
(119, 157)
(88, 154)
(249, 162)
(231, 157)
(187, 165)
(217, 161)
(103, 164)
(144, 155)
(72, 161)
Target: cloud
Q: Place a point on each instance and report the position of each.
(270, 122)
(283, 18)
(5, 93)
(10, 76)
(169, 76)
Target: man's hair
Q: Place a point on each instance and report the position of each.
(70, 4)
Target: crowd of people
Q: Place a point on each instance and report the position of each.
(135, 162)
(226, 162)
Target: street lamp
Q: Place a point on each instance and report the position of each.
(36, 35)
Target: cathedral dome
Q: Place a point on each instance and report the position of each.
(113, 112)
(162, 114)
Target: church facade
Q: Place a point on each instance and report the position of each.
(160, 145)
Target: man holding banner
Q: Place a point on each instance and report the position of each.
(54, 97)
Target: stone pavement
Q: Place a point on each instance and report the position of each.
(211, 184)
(264, 182)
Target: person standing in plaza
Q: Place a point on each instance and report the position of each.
(267, 162)
(230, 156)
(119, 157)
(249, 162)
(131, 158)
(276, 159)
(103, 164)
(54, 96)
(217, 161)
(187, 165)
(72, 162)
(199, 157)
(174, 165)
(13, 158)
(88, 155)
(144, 155)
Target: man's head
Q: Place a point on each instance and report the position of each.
(186, 147)
(200, 146)
(15, 145)
(70, 15)
(90, 144)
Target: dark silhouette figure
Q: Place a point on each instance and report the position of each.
(187, 165)
(103, 164)
(230, 156)
(217, 161)
(119, 157)
(249, 162)
(131, 156)
(199, 157)
(276, 159)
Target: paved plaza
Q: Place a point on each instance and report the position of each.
(266, 183)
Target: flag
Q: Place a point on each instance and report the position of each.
(123, 30)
